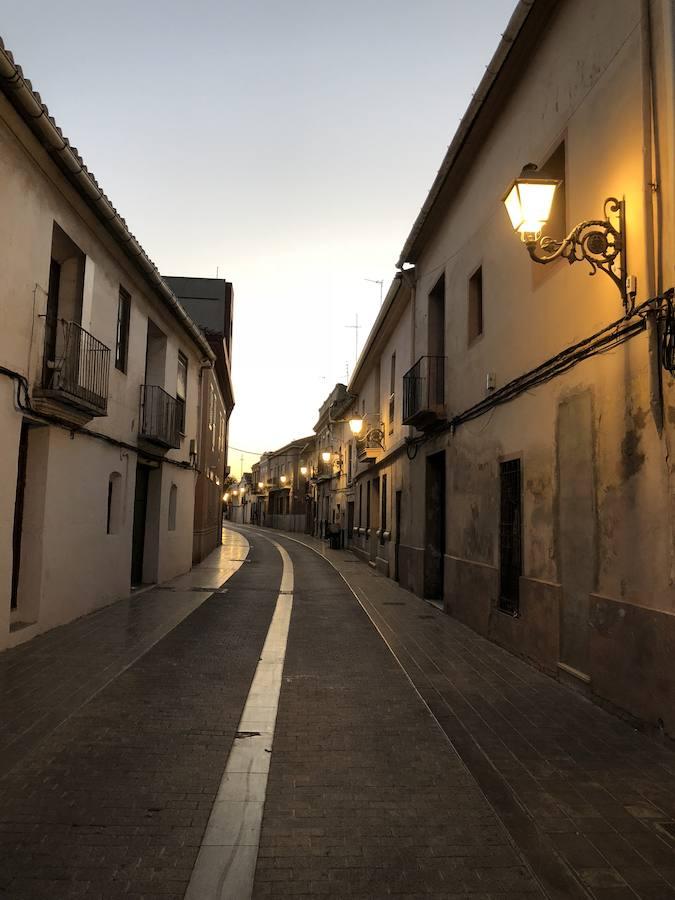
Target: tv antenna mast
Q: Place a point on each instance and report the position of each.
(379, 281)
(356, 328)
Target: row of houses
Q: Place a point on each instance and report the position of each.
(115, 388)
(504, 446)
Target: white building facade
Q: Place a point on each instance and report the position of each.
(98, 394)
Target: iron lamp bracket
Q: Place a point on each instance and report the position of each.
(376, 435)
(599, 242)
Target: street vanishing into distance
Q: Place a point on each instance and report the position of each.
(337, 435)
(187, 742)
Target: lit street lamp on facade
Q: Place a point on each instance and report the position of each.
(599, 242)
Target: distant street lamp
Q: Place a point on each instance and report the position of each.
(283, 479)
(303, 470)
(326, 455)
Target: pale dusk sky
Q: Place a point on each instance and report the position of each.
(288, 145)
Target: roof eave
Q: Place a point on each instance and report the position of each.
(410, 251)
(35, 114)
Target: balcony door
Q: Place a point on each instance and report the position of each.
(436, 319)
(64, 299)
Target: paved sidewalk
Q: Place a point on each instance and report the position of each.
(46, 679)
(572, 783)
(114, 802)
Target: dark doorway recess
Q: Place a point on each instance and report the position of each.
(510, 536)
(18, 512)
(140, 516)
(434, 543)
(397, 538)
(350, 519)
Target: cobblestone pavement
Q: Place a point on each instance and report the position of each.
(573, 784)
(366, 797)
(114, 801)
(115, 732)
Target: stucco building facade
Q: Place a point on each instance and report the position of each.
(209, 303)
(280, 487)
(99, 389)
(525, 478)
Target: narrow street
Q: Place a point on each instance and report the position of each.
(410, 757)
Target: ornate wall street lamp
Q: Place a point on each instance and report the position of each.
(374, 435)
(283, 479)
(261, 485)
(330, 457)
(600, 242)
(303, 471)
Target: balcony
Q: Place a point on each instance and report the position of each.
(324, 470)
(160, 418)
(370, 447)
(424, 392)
(74, 383)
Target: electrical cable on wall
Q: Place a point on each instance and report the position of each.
(602, 341)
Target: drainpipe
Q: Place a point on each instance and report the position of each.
(652, 187)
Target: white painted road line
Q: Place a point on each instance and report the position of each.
(225, 867)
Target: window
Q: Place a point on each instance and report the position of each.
(349, 461)
(368, 505)
(181, 390)
(360, 504)
(510, 536)
(476, 304)
(212, 418)
(173, 500)
(122, 342)
(114, 515)
(392, 392)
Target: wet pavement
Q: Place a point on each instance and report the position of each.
(408, 757)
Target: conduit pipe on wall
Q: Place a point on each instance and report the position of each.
(652, 187)
(35, 113)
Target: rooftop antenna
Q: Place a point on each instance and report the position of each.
(379, 281)
(356, 328)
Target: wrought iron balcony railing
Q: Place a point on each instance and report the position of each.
(424, 392)
(76, 369)
(160, 417)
